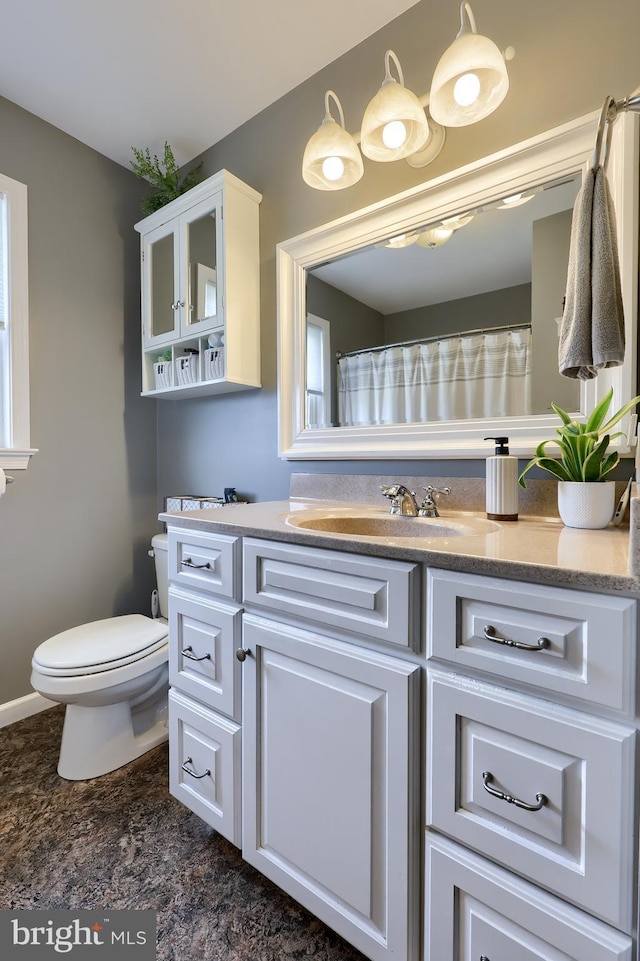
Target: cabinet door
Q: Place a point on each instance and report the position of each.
(160, 286)
(202, 252)
(329, 786)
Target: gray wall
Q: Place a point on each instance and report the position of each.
(567, 60)
(510, 305)
(549, 263)
(74, 527)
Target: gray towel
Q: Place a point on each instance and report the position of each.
(592, 333)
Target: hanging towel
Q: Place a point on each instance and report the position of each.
(592, 332)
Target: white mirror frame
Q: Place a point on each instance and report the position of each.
(547, 157)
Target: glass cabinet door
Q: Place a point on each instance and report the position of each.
(202, 237)
(161, 299)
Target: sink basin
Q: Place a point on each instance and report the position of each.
(377, 524)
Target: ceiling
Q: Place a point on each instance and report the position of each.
(492, 252)
(117, 73)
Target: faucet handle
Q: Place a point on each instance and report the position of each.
(436, 490)
(429, 508)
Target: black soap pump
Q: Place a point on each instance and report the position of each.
(502, 483)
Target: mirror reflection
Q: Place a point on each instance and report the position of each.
(456, 320)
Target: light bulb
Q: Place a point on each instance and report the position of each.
(466, 89)
(332, 168)
(394, 134)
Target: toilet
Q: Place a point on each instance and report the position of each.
(113, 676)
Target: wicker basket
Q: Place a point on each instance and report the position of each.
(187, 369)
(163, 374)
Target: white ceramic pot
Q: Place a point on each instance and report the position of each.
(587, 505)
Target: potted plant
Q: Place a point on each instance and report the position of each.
(585, 498)
(164, 175)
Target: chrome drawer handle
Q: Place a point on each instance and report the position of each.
(487, 778)
(192, 657)
(492, 635)
(197, 567)
(193, 773)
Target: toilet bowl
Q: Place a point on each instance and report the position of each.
(113, 677)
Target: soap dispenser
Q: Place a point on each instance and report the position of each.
(502, 483)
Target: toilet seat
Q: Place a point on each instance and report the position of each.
(100, 646)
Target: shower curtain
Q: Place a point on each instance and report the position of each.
(468, 376)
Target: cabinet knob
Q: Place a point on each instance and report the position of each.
(242, 653)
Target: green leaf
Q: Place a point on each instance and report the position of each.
(599, 412)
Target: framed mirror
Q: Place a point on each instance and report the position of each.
(467, 272)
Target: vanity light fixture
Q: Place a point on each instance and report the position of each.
(469, 83)
(515, 200)
(470, 80)
(331, 159)
(402, 240)
(460, 221)
(394, 124)
(435, 236)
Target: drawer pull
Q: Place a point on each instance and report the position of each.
(541, 799)
(188, 770)
(492, 635)
(197, 567)
(192, 657)
(242, 653)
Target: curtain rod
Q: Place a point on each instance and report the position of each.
(632, 102)
(427, 340)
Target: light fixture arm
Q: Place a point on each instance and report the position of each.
(466, 8)
(327, 108)
(389, 55)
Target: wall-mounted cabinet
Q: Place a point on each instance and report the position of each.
(201, 291)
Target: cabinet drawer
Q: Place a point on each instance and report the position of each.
(207, 562)
(477, 910)
(482, 739)
(589, 654)
(203, 637)
(376, 599)
(205, 764)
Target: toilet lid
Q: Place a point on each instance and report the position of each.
(100, 645)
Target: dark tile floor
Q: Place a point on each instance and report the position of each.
(121, 841)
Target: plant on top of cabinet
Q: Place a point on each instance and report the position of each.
(201, 291)
(167, 181)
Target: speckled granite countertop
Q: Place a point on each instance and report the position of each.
(536, 547)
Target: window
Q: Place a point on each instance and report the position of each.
(14, 326)
(318, 386)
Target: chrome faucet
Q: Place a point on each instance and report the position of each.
(429, 508)
(403, 501)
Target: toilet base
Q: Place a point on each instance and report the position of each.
(97, 740)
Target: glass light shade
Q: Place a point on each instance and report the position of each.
(470, 80)
(434, 237)
(455, 223)
(394, 124)
(403, 240)
(331, 158)
(516, 200)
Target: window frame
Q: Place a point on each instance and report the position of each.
(15, 434)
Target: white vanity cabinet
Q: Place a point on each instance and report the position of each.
(519, 774)
(204, 700)
(200, 291)
(530, 763)
(330, 729)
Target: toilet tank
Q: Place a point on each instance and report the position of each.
(160, 548)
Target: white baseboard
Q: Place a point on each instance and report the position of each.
(23, 707)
